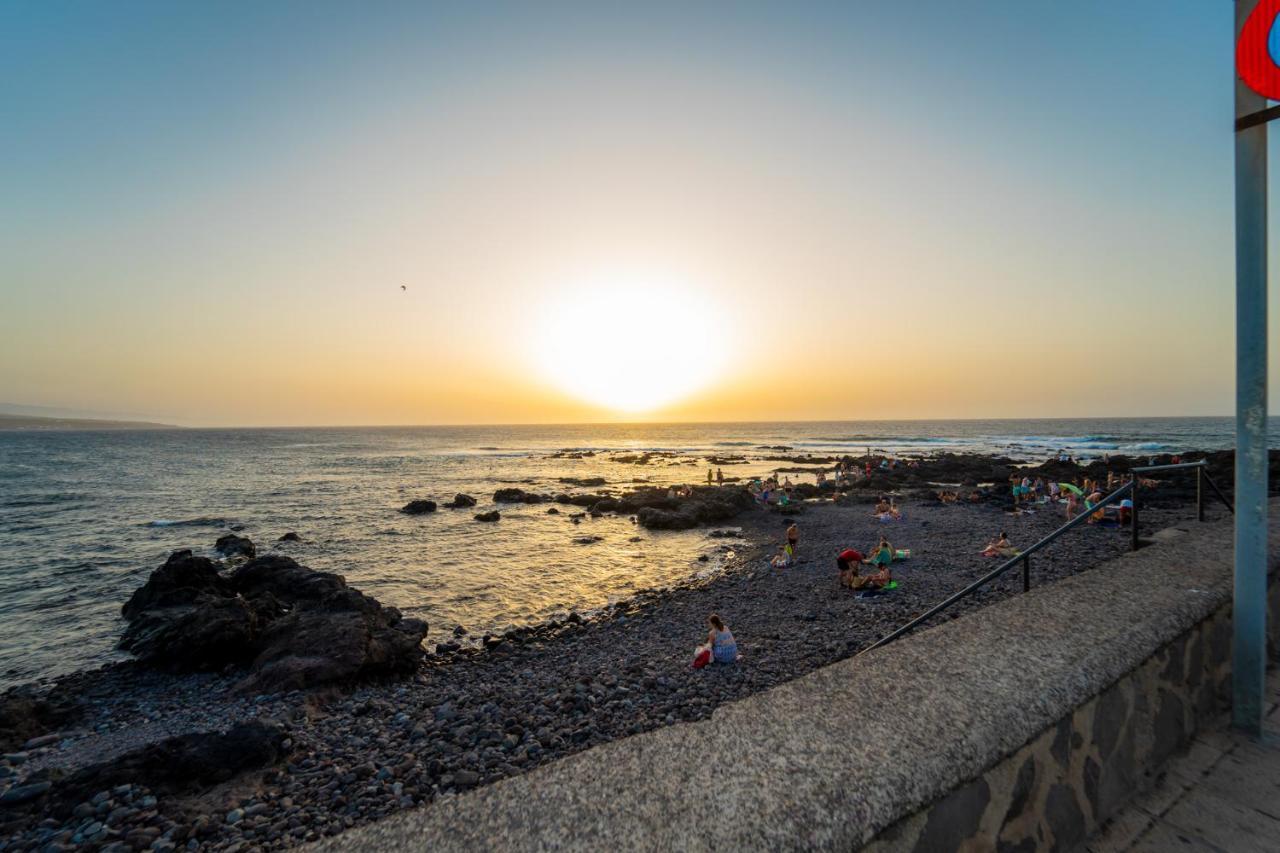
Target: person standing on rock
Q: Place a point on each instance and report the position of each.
(708, 476)
(720, 476)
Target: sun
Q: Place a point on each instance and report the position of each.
(629, 343)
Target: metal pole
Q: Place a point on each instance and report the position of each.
(1248, 662)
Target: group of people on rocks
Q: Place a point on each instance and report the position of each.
(770, 491)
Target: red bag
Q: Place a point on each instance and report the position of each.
(702, 658)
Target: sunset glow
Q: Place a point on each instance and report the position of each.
(630, 344)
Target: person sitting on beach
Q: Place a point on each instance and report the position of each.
(1073, 504)
(1000, 547)
(882, 555)
(847, 562)
(724, 648)
(875, 580)
(1054, 491)
(885, 510)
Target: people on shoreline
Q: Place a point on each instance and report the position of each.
(720, 476)
(721, 647)
(708, 476)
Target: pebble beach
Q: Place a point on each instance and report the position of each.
(502, 705)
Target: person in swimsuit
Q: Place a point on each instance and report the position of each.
(793, 539)
(1001, 547)
(882, 555)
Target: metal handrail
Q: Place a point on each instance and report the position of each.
(1130, 488)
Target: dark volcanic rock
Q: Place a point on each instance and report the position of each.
(461, 501)
(584, 482)
(232, 545)
(197, 759)
(707, 505)
(491, 515)
(516, 496)
(292, 626)
(419, 507)
(24, 716)
(290, 537)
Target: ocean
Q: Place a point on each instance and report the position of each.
(86, 515)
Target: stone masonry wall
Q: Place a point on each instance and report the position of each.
(1059, 789)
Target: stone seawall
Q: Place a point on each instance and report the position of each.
(1063, 786)
(1021, 726)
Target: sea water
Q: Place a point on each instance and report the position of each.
(85, 516)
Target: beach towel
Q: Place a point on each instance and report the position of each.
(875, 591)
(702, 658)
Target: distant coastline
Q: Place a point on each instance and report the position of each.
(32, 422)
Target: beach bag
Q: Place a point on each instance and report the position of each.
(702, 658)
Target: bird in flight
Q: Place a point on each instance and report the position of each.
(402, 287)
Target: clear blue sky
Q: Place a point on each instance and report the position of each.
(977, 193)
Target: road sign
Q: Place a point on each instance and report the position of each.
(1258, 50)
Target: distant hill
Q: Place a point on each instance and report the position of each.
(11, 422)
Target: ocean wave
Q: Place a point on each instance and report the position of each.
(188, 522)
(733, 443)
(862, 440)
(42, 500)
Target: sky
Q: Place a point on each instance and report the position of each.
(313, 213)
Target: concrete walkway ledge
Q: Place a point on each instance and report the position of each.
(833, 759)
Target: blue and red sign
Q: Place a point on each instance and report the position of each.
(1258, 50)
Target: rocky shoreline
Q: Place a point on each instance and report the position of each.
(336, 755)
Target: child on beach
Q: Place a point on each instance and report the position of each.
(793, 540)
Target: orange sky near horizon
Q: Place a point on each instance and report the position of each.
(987, 231)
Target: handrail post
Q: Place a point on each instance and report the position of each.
(1026, 573)
(1133, 496)
(1200, 493)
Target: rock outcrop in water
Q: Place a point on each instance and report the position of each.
(461, 501)
(420, 507)
(517, 496)
(291, 626)
(491, 515)
(656, 510)
(232, 545)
